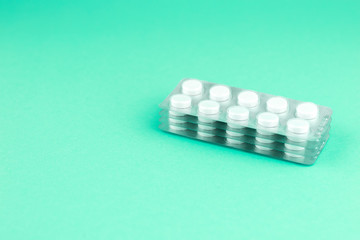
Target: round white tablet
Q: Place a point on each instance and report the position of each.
(203, 134)
(219, 93)
(238, 113)
(307, 111)
(267, 119)
(205, 120)
(204, 127)
(234, 134)
(248, 99)
(263, 148)
(180, 101)
(292, 155)
(277, 105)
(173, 120)
(263, 140)
(234, 141)
(192, 87)
(297, 125)
(173, 127)
(293, 147)
(209, 107)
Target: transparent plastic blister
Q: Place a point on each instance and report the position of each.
(293, 139)
(256, 122)
(318, 124)
(255, 140)
(306, 160)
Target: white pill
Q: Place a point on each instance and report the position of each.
(297, 125)
(248, 99)
(266, 131)
(263, 140)
(267, 119)
(277, 105)
(299, 157)
(209, 107)
(176, 114)
(220, 93)
(234, 141)
(297, 137)
(192, 87)
(174, 127)
(180, 101)
(263, 148)
(234, 134)
(203, 134)
(172, 120)
(204, 127)
(293, 147)
(307, 111)
(238, 113)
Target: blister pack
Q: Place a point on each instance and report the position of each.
(266, 124)
(296, 158)
(296, 139)
(236, 137)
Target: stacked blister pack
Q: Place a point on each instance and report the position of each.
(251, 121)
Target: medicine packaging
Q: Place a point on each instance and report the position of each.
(248, 120)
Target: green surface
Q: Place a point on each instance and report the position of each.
(81, 156)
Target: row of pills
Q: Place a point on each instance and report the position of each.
(248, 120)
(236, 137)
(249, 99)
(237, 140)
(220, 140)
(267, 122)
(241, 136)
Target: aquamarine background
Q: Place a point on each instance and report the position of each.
(81, 156)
